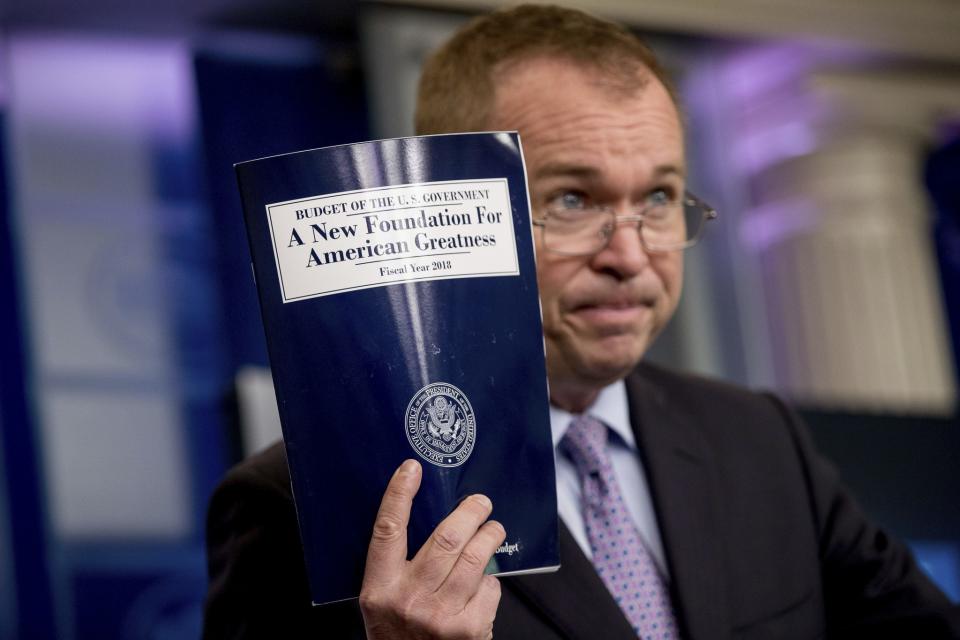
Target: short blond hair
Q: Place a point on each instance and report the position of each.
(457, 86)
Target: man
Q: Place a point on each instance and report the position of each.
(731, 525)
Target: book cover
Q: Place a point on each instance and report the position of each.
(398, 292)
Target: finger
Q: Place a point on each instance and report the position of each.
(387, 552)
(441, 550)
(467, 573)
(483, 605)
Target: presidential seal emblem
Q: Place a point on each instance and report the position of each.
(440, 425)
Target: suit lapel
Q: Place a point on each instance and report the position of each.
(678, 466)
(574, 598)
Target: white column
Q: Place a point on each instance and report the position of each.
(843, 236)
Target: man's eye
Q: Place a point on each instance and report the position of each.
(569, 201)
(660, 197)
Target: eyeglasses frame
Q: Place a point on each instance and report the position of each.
(689, 199)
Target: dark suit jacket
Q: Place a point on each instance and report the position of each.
(761, 539)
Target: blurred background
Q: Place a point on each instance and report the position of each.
(132, 359)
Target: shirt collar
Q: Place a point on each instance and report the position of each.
(610, 407)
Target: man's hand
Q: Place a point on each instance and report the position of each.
(442, 592)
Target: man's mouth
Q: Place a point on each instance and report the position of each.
(612, 313)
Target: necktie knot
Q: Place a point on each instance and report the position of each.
(586, 443)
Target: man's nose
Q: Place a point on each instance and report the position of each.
(624, 255)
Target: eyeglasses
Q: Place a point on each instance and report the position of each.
(665, 225)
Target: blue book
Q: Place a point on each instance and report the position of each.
(399, 297)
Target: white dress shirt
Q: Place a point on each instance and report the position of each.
(610, 408)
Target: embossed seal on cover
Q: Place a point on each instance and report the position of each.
(440, 424)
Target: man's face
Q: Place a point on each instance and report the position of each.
(588, 143)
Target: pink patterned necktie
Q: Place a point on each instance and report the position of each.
(619, 555)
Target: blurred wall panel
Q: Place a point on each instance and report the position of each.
(122, 343)
(85, 115)
(395, 44)
(128, 458)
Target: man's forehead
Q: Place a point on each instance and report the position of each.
(552, 80)
(627, 78)
(573, 127)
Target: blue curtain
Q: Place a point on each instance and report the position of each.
(943, 182)
(29, 598)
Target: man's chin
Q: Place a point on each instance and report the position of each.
(575, 385)
(605, 369)
(596, 363)
(619, 352)
(607, 373)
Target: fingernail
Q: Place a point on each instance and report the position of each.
(409, 467)
(482, 500)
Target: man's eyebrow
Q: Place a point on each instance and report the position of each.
(552, 169)
(669, 169)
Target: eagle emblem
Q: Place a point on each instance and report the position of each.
(440, 424)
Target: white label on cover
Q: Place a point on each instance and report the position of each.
(373, 237)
